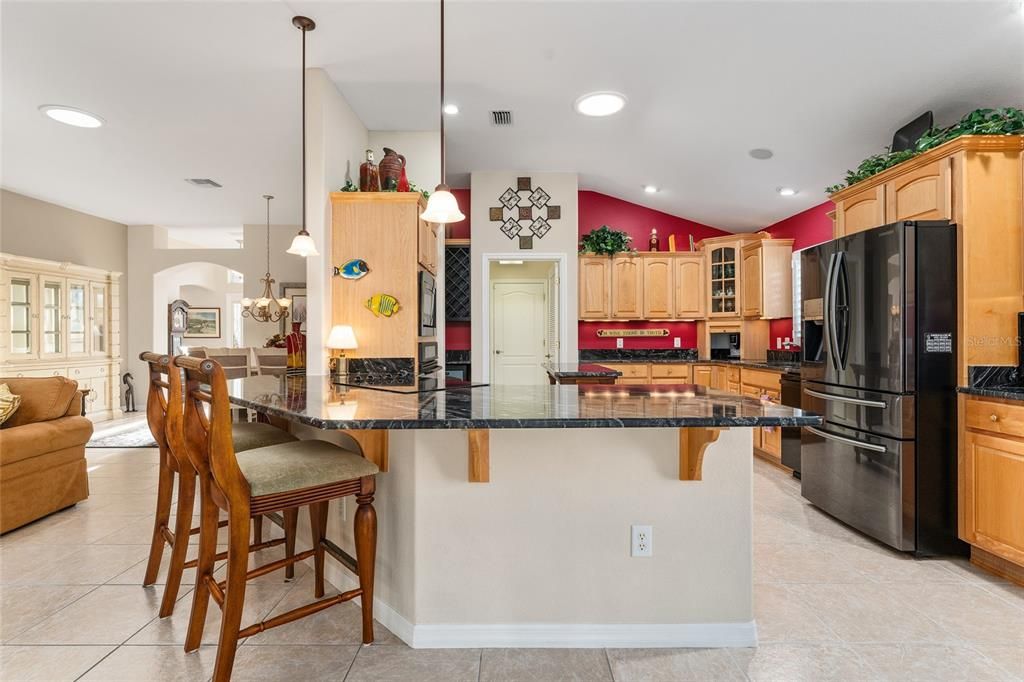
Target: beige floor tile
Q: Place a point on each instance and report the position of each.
(341, 624)
(871, 613)
(259, 600)
(86, 565)
(506, 665)
(796, 663)
(110, 614)
(48, 663)
(23, 606)
(80, 528)
(928, 662)
(968, 611)
(402, 664)
(782, 617)
(1008, 658)
(801, 564)
(22, 563)
(1008, 592)
(882, 564)
(306, 663)
(163, 663)
(672, 665)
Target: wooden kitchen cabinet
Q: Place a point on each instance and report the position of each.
(703, 375)
(922, 193)
(688, 283)
(632, 373)
(428, 246)
(860, 211)
(767, 282)
(627, 287)
(723, 279)
(991, 485)
(765, 385)
(658, 287)
(670, 374)
(595, 278)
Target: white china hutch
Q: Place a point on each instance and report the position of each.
(62, 319)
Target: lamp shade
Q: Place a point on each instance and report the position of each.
(342, 338)
(442, 208)
(303, 245)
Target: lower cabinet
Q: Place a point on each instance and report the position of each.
(992, 478)
(765, 386)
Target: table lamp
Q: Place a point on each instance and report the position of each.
(341, 338)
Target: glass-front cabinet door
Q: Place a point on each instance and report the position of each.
(24, 317)
(77, 300)
(99, 314)
(52, 309)
(723, 281)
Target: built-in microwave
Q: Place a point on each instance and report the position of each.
(428, 304)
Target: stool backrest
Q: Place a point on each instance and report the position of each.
(272, 361)
(157, 396)
(206, 439)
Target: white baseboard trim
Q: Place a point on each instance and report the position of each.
(555, 635)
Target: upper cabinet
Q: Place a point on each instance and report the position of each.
(428, 246)
(657, 289)
(767, 282)
(724, 261)
(861, 211)
(627, 287)
(595, 287)
(920, 194)
(688, 284)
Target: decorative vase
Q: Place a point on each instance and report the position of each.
(295, 342)
(403, 181)
(369, 175)
(390, 168)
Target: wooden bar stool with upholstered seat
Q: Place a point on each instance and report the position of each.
(246, 437)
(246, 484)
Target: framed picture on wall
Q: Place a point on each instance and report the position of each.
(296, 293)
(202, 323)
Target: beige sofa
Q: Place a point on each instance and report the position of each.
(42, 451)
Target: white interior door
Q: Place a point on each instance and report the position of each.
(518, 315)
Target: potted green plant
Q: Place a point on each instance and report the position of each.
(604, 241)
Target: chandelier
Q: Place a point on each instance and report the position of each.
(266, 308)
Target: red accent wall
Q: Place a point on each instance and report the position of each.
(686, 331)
(460, 230)
(457, 335)
(806, 228)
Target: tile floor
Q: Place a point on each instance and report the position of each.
(830, 604)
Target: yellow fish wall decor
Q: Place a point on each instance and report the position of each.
(383, 304)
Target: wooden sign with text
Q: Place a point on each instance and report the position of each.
(624, 333)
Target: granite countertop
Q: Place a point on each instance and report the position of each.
(785, 361)
(313, 400)
(1004, 392)
(594, 367)
(561, 370)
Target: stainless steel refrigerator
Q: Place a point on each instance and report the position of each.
(879, 362)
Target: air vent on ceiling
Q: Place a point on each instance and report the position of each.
(501, 118)
(203, 182)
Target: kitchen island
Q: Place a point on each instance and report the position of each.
(505, 512)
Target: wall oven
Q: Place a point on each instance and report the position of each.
(428, 304)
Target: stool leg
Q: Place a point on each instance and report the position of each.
(257, 530)
(318, 526)
(366, 552)
(208, 520)
(182, 531)
(291, 522)
(164, 493)
(234, 596)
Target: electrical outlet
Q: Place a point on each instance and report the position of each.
(677, 342)
(618, 342)
(642, 543)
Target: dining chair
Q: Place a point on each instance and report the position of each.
(246, 484)
(271, 361)
(162, 407)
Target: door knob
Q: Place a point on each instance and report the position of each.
(993, 417)
(497, 352)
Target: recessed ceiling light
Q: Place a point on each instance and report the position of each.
(71, 116)
(761, 154)
(451, 109)
(786, 191)
(600, 103)
(650, 189)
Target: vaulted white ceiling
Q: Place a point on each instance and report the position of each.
(211, 90)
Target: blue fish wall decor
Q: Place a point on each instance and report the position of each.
(354, 269)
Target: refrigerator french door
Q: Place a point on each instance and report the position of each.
(879, 365)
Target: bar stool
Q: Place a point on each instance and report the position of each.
(246, 436)
(246, 484)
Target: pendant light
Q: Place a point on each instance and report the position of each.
(266, 308)
(442, 207)
(302, 244)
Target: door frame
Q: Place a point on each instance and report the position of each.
(561, 263)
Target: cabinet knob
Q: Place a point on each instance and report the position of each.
(993, 417)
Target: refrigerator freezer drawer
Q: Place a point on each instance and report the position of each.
(886, 414)
(865, 481)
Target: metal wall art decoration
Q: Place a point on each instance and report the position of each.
(525, 208)
(383, 304)
(626, 333)
(354, 269)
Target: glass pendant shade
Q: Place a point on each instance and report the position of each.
(303, 245)
(442, 207)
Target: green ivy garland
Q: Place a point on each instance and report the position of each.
(1005, 121)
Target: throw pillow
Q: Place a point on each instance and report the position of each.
(8, 403)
